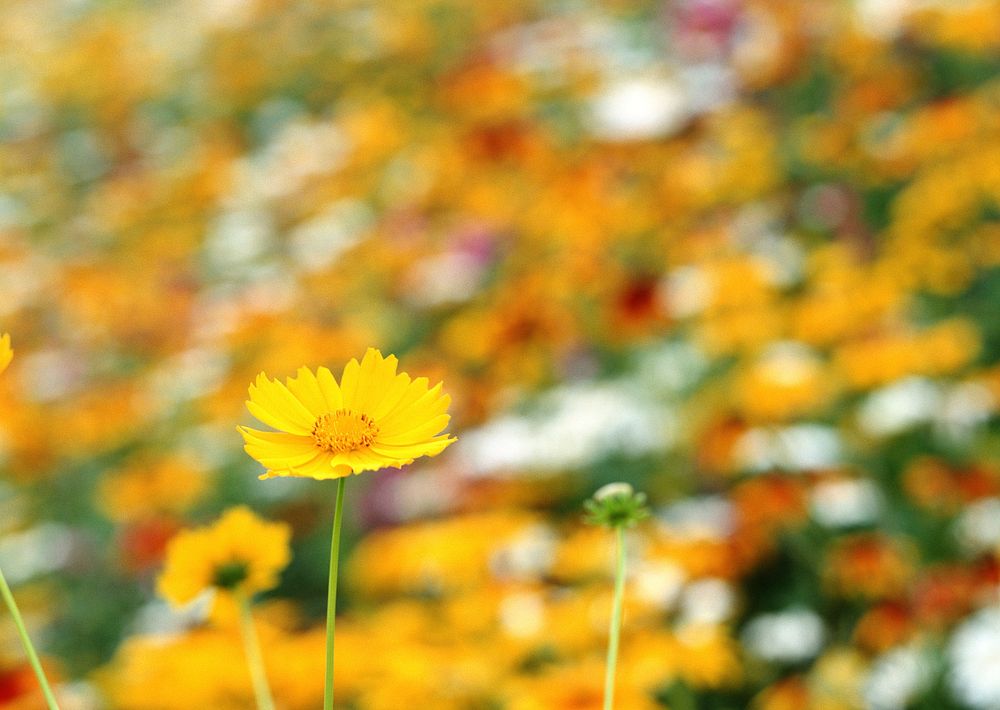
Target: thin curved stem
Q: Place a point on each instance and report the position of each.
(251, 644)
(331, 599)
(616, 619)
(29, 649)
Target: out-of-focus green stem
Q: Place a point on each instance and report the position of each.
(616, 619)
(258, 673)
(331, 599)
(22, 631)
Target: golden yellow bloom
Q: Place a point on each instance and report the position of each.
(239, 554)
(373, 419)
(6, 354)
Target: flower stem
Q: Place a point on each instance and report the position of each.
(331, 599)
(616, 619)
(258, 673)
(8, 598)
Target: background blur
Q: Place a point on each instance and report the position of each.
(744, 254)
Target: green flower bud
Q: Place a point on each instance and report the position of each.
(616, 505)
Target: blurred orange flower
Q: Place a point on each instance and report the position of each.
(871, 566)
(883, 627)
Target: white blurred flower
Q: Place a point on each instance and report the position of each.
(79, 695)
(966, 406)
(708, 86)
(38, 550)
(787, 636)
(707, 517)
(192, 373)
(451, 277)
(160, 617)
(845, 502)
(526, 556)
(672, 367)
(900, 406)
(420, 494)
(978, 526)
(51, 374)
(300, 150)
(707, 601)
(882, 18)
(974, 657)
(319, 242)
(637, 108)
(658, 582)
(896, 678)
(598, 418)
(794, 448)
(239, 238)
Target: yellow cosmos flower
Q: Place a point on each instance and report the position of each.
(6, 354)
(374, 418)
(240, 554)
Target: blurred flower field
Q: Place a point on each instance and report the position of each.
(742, 254)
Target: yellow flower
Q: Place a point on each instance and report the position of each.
(240, 554)
(373, 419)
(6, 354)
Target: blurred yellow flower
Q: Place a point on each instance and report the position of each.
(240, 554)
(147, 486)
(6, 353)
(373, 419)
(575, 686)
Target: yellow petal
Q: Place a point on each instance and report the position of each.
(288, 403)
(397, 388)
(321, 471)
(411, 451)
(274, 405)
(420, 431)
(414, 392)
(361, 460)
(6, 354)
(377, 383)
(306, 389)
(295, 461)
(425, 406)
(349, 383)
(291, 443)
(330, 389)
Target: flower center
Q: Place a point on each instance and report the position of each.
(344, 431)
(230, 574)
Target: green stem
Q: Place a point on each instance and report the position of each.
(258, 673)
(8, 598)
(331, 598)
(616, 619)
